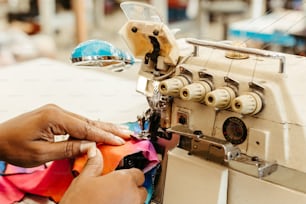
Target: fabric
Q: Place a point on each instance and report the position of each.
(112, 155)
(8, 192)
(150, 180)
(53, 179)
(49, 181)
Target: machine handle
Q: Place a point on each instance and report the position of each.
(253, 51)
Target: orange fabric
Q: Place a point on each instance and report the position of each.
(52, 180)
(112, 155)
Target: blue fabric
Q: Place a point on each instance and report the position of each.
(150, 176)
(2, 167)
(134, 126)
(150, 179)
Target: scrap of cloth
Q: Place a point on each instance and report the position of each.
(52, 179)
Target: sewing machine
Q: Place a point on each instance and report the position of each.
(229, 122)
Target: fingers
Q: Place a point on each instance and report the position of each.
(136, 179)
(62, 122)
(121, 131)
(94, 165)
(48, 151)
(139, 179)
(143, 194)
(89, 148)
(137, 176)
(85, 131)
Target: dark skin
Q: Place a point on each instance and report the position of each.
(28, 140)
(123, 186)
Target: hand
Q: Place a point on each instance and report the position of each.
(118, 187)
(28, 140)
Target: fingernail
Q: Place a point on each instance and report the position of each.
(120, 140)
(89, 148)
(92, 152)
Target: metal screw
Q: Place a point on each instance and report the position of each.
(134, 29)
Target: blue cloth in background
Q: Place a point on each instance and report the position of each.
(150, 179)
(2, 167)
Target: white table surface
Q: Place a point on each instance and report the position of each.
(93, 92)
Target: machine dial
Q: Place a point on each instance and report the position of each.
(172, 86)
(195, 91)
(249, 103)
(220, 98)
(234, 130)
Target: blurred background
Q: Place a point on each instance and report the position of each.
(52, 28)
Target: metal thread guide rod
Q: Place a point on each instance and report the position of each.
(253, 51)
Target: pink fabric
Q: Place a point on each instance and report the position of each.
(11, 169)
(8, 192)
(52, 180)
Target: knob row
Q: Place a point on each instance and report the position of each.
(221, 98)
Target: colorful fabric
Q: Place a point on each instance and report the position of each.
(52, 179)
(113, 155)
(47, 180)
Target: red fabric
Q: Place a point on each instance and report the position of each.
(8, 192)
(53, 180)
(49, 182)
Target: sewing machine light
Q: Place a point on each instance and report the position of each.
(99, 53)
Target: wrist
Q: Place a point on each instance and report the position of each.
(3, 142)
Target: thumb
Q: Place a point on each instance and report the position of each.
(94, 164)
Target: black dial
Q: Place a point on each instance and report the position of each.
(234, 130)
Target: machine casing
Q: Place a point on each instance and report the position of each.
(231, 126)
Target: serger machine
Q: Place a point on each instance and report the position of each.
(229, 122)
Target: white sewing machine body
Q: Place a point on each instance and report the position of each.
(232, 121)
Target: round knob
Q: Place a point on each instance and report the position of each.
(237, 55)
(220, 98)
(249, 103)
(172, 86)
(195, 91)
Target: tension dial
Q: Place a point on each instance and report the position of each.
(234, 130)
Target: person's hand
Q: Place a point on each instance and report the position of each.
(117, 187)
(28, 140)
